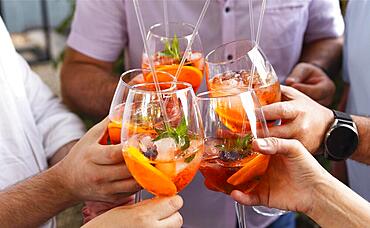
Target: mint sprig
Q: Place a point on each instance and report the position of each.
(240, 144)
(172, 50)
(179, 134)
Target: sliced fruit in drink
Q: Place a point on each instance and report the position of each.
(147, 175)
(253, 169)
(188, 74)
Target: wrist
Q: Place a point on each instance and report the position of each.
(60, 181)
(320, 195)
(328, 120)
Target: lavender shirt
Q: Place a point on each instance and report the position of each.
(103, 28)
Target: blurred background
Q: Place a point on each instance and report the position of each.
(39, 29)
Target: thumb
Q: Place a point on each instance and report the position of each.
(97, 132)
(286, 147)
(163, 207)
(299, 74)
(249, 199)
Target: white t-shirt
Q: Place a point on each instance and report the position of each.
(357, 73)
(33, 122)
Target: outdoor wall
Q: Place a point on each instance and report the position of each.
(21, 15)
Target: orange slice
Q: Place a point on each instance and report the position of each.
(114, 131)
(235, 120)
(188, 74)
(254, 168)
(147, 175)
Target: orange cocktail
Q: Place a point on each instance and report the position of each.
(192, 71)
(226, 170)
(167, 47)
(159, 166)
(162, 136)
(233, 113)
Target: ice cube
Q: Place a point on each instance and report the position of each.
(166, 148)
(145, 143)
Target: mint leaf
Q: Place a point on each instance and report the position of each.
(172, 50)
(179, 134)
(242, 144)
(190, 158)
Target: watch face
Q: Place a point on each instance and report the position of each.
(341, 142)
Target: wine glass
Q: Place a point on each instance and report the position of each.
(231, 66)
(162, 136)
(126, 81)
(228, 162)
(167, 47)
(236, 67)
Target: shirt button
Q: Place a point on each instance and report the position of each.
(227, 9)
(229, 57)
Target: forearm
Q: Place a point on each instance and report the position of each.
(335, 205)
(88, 87)
(32, 202)
(326, 53)
(362, 153)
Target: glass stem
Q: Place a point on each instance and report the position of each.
(240, 213)
(138, 197)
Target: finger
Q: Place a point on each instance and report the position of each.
(164, 207)
(286, 147)
(97, 132)
(114, 172)
(245, 199)
(299, 74)
(291, 93)
(175, 220)
(123, 187)
(280, 110)
(314, 91)
(108, 155)
(285, 131)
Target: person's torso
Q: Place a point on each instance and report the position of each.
(21, 149)
(282, 33)
(357, 68)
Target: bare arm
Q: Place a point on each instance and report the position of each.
(87, 84)
(34, 201)
(326, 53)
(362, 153)
(335, 205)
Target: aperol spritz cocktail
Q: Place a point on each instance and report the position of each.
(162, 145)
(168, 48)
(228, 162)
(237, 67)
(127, 80)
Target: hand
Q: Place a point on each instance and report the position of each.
(92, 171)
(96, 208)
(157, 212)
(290, 180)
(312, 81)
(303, 119)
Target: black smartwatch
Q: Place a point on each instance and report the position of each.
(342, 138)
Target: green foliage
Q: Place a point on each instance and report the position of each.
(172, 50)
(179, 134)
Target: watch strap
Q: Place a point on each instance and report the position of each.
(342, 116)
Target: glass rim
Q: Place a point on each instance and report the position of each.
(200, 96)
(157, 25)
(141, 70)
(206, 60)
